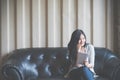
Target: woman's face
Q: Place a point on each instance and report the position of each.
(82, 40)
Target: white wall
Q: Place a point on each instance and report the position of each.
(49, 23)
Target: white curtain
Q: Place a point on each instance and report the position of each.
(49, 23)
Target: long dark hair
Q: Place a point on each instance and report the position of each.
(72, 45)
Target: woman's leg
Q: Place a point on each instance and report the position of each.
(87, 74)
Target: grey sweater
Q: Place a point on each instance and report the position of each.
(88, 56)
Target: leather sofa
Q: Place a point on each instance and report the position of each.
(53, 63)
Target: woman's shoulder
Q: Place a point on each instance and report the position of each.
(88, 45)
(90, 48)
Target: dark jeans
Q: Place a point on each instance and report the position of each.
(82, 73)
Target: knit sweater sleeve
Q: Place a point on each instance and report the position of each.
(91, 52)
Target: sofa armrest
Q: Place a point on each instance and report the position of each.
(107, 64)
(116, 75)
(19, 71)
(18, 67)
(11, 72)
(112, 69)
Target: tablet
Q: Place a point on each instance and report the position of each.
(81, 58)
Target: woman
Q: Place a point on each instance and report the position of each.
(82, 57)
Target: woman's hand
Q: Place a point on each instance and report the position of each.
(87, 64)
(79, 65)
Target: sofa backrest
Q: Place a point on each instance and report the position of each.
(39, 62)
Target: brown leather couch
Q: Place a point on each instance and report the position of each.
(53, 64)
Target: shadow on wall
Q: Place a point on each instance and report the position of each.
(116, 24)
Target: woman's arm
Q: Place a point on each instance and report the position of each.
(91, 60)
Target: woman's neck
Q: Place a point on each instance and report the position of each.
(82, 49)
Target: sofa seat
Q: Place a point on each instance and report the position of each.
(97, 78)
